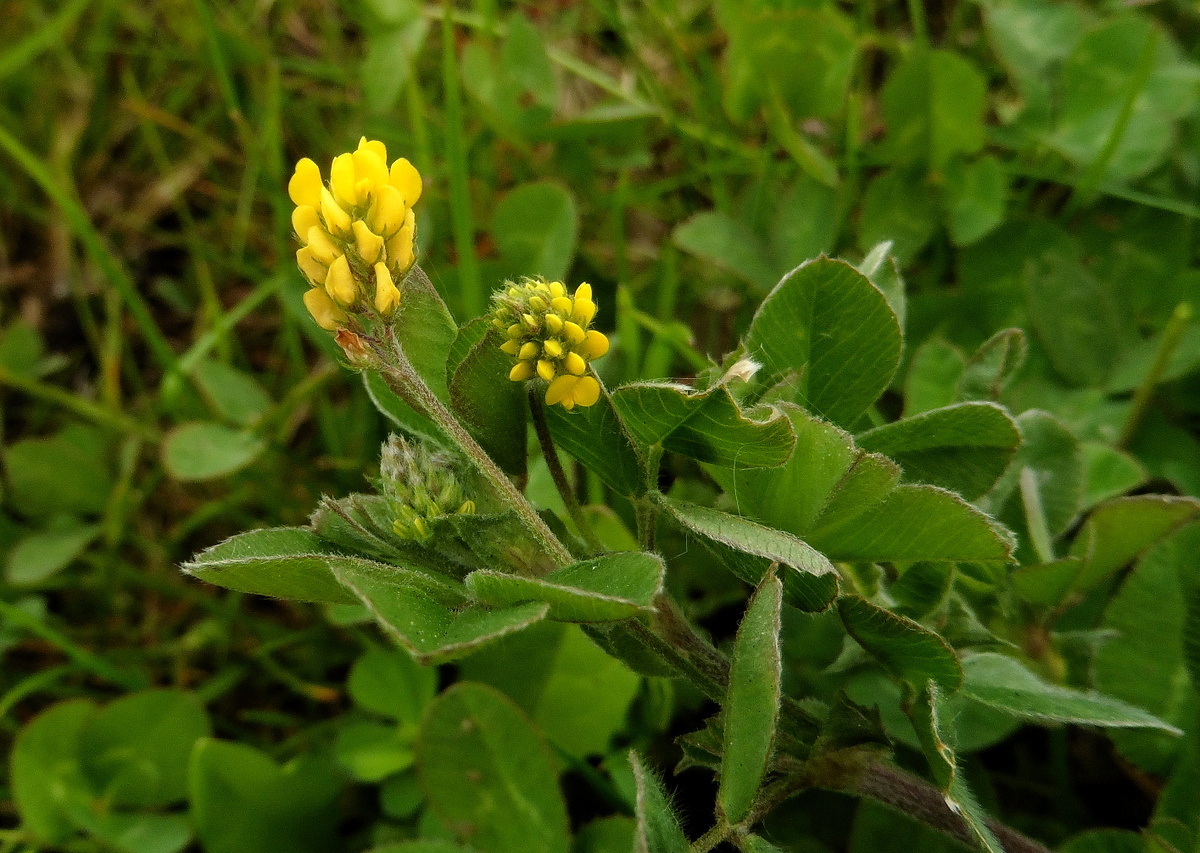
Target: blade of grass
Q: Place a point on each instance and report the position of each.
(216, 55)
(85, 409)
(473, 297)
(27, 49)
(86, 232)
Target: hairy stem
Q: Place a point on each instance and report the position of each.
(398, 371)
(550, 454)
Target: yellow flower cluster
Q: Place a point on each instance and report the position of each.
(357, 232)
(547, 331)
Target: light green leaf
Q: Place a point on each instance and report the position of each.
(578, 695)
(135, 833)
(831, 334)
(243, 802)
(906, 649)
(933, 106)
(751, 706)
(606, 835)
(204, 451)
(42, 554)
(65, 473)
(595, 436)
(882, 267)
(45, 769)
(389, 59)
(708, 426)
(535, 227)
(233, 394)
(964, 447)
(898, 206)
(373, 751)
(428, 629)
(491, 406)
(136, 749)
(391, 684)
(487, 773)
(1005, 683)
(291, 562)
(991, 367)
(657, 827)
(1119, 531)
(728, 245)
(976, 192)
(606, 589)
(386, 401)
(934, 371)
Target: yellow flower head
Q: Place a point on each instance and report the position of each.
(548, 332)
(358, 232)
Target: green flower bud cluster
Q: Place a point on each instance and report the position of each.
(420, 486)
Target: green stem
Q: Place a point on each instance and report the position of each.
(398, 371)
(84, 408)
(1162, 360)
(711, 839)
(550, 454)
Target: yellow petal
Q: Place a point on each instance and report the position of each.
(546, 369)
(557, 289)
(587, 391)
(369, 166)
(340, 282)
(563, 305)
(373, 145)
(584, 292)
(370, 246)
(575, 364)
(521, 371)
(314, 270)
(536, 303)
(336, 219)
(552, 348)
(529, 351)
(388, 211)
(303, 218)
(342, 180)
(585, 310)
(305, 185)
(574, 333)
(400, 252)
(554, 323)
(511, 347)
(387, 295)
(595, 346)
(323, 248)
(560, 389)
(405, 177)
(515, 331)
(327, 315)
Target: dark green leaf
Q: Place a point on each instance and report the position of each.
(975, 195)
(491, 406)
(906, 649)
(991, 367)
(708, 426)
(595, 436)
(898, 206)
(1119, 531)
(964, 447)
(65, 473)
(606, 589)
(426, 331)
(934, 371)
(751, 706)
(487, 773)
(831, 334)
(934, 106)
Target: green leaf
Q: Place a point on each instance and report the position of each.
(45, 769)
(831, 334)
(882, 267)
(657, 827)
(391, 684)
(934, 371)
(964, 447)
(135, 833)
(204, 451)
(1106, 841)
(606, 589)
(389, 404)
(751, 706)
(487, 773)
(389, 60)
(66, 473)
(878, 829)
(1144, 664)
(373, 751)
(898, 206)
(426, 331)
(1005, 683)
(933, 106)
(42, 554)
(577, 694)
(812, 583)
(708, 426)
(291, 562)
(976, 192)
(136, 749)
(1030, 36)
(233, 394)
(729, 245)
(906, 649)
(595, 436)
(491, 406)
(991, 367)
(606, 835)
(1121, 530)
(535, 227)
(429, 629)
(243, 802)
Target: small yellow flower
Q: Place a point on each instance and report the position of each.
(359, 233)
(546, 330)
